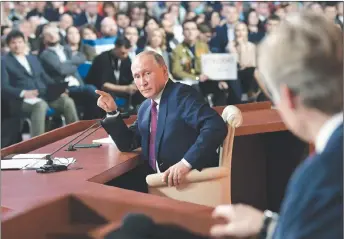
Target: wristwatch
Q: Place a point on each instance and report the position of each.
(112, 113)
(269, 217)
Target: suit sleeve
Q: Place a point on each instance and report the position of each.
(126, 139)
(52, 63)
(313, 205)
(8, 90)
(210, 125)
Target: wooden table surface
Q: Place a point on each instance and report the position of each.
(21, 190)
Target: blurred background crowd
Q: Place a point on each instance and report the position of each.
(90, 45)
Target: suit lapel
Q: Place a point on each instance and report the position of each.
(20, 65)
(163, 108)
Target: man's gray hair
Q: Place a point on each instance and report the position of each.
(158, 58)
(306, 54)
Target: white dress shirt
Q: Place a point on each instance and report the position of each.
(326, 131)
(59, 50)
(157, 101)
(24, 62)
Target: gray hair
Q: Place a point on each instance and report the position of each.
(306, 54)
(157, 57)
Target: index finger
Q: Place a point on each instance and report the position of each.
(101, 93)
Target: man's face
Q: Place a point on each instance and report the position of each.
(66, 21)
(17, 46)
(51, 35)
(135, 13)
(108, 27)
(190, 31)
(330, 12)
(91, 8)
(290, 112)
(121, 52)
(168, 26)
(263, 9)
(148, 75)
(231, 14)
(123, 21)
(132, 35)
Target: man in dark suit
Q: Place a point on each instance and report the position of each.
(110, 71)
(176, 129)
(27, 83)
(307, 90)
(89, 16)
(61, 65)
(225, 34)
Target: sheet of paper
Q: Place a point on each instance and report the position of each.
(16, 164)
(29, 156)
(32, 101)
(107, 140)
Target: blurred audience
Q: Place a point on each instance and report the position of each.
(89, 31)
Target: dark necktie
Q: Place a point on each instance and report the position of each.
(153, 127)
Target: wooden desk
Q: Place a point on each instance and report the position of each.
(255, 179)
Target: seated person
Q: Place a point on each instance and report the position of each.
(186, 134)
(61, 65)
(26, 82)
(110, 71)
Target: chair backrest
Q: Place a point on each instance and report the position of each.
(233, 117)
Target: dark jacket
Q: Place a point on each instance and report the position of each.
(58, 70)
(313, 206)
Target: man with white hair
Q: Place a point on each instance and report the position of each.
(301, 64)
(108, 27)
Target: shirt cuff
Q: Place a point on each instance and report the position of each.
(115, 115)
(187, 164)
(21, 95)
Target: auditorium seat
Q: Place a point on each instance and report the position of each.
(211, 186)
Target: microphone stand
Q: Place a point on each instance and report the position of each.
(49, 156)
(72, 146)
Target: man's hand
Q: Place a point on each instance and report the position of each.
(203, 78)
(242, 221)
(106, 102)
(28, 94)
(175, 174)
(131, 89)
(223, 85)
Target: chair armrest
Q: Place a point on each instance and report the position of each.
(155, 180)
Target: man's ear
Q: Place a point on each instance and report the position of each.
(165, 70)
(288, 97)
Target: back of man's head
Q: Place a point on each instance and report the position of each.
(122, 42)
(305, 53)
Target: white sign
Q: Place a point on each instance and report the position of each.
(219, 66)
